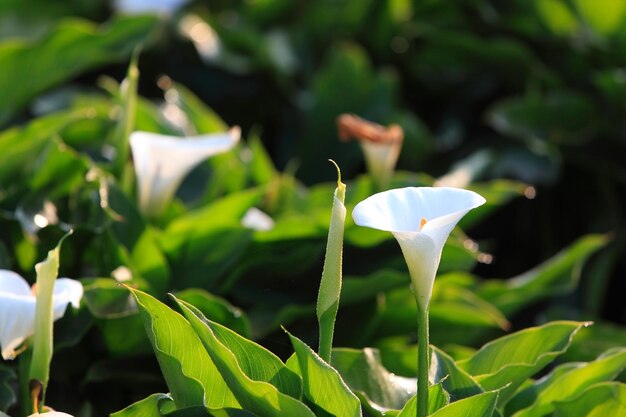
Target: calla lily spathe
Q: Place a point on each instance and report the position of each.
(162, 162)
(421, 219)
(51, 414)
(381, 145)
(17, 308)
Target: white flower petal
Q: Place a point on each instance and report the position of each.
(381, 158)
(402, 210)
(161, 162)
(421, 219)
(255, 219)
(66, 291)
(163, 7)
(13, 283)
(51, 414)
(17, 322)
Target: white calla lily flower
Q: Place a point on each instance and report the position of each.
(162, 162)
(381, 145)
(161, 7)
(258, 220)
(17, 308)
(421, 219)
(51, 414)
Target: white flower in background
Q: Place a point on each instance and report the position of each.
(51, 414)
(421, 219)
(381, 146)
(162, 7)
(17, 308)
(162, 162)
(257, 220)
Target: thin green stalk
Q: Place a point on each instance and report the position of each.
(330, 286)
(423, 360)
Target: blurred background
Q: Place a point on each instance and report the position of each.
(532, 92)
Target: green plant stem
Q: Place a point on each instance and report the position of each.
(423, 362)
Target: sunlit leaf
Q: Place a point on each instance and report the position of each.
(258, 396)
(323, 386)
(190, 374)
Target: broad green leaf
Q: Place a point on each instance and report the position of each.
(260, 397)
(7, 395)
(20, 146)
(148, 407)
(481, 405)
(456, 382)
(600, 400)
(557, 275)
(323, 386)
(72, 47)
(437, 398)
(217, 309)
(59, 170)
(256, 362)
(604, 16)
(363, 371)
(528, 391)
(558, 16)
(190, 374)
(506, 362)
(559, 117)
(208, 412)
(575, 381)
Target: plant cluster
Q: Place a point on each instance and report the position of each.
(215, 270)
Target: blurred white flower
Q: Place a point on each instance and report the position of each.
(162, 7)
(162, 162)
(17, 308)
(255, 219)
(421, 219)
(51, 414)
(381, 146)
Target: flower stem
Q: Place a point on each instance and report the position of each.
(423, 360)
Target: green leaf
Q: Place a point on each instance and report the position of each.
(558, 16)
(557, 275)
(456, 382)
(574, 381)
(20, 146)
(323, 385)
(148, 407)
(506, 362)
(559, 117)
(600, 400)
(605, 16)
(72, 47)
(363, 371)
(437, 398)
(190, 374)
(217, 309)
(258, 363)
(481, 405)
(257, 396)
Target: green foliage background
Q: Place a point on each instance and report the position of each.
(526, 96)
